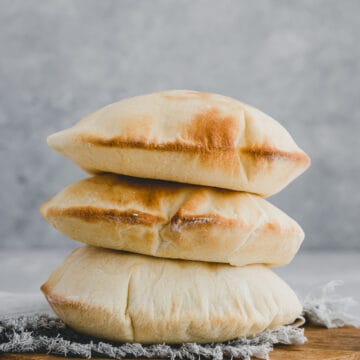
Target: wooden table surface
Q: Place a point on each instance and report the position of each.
(330, 344)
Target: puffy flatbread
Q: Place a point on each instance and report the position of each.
(189, 137)
(174, 220)
(135, 298)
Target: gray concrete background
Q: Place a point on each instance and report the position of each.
(296, 60)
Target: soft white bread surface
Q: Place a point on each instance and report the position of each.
(174, 220)
(189, 137)
(135, 298)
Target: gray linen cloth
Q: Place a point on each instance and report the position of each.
(28, 325)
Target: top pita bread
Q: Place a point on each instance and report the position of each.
(189, 137)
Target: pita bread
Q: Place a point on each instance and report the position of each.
(174, 220)
(189, 137)
(135, 298)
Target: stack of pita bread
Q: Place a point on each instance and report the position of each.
(180, 239)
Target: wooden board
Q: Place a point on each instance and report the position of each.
(329, 344)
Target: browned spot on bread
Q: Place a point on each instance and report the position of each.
(121, 189)
(91, 213)
(121, 142)
(179, 221)
(138, 184)
(273, 227)
(209, 131)
(54, 299)
(57, 302)
(151, 192)
(278, 228)
(177, 146)
(271, 154)
(212, 129)
(45, 288)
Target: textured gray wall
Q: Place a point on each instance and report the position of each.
(296, 60)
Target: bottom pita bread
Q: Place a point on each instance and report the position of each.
(135, 298)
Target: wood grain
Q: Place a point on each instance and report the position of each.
(329, 344)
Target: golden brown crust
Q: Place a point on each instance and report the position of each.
(208, 131)
(273, 154)
(93, 214)
(174, 220)
(203, 220)
(45, 288)
(57, 300)
(186, 136)
(134, 217)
